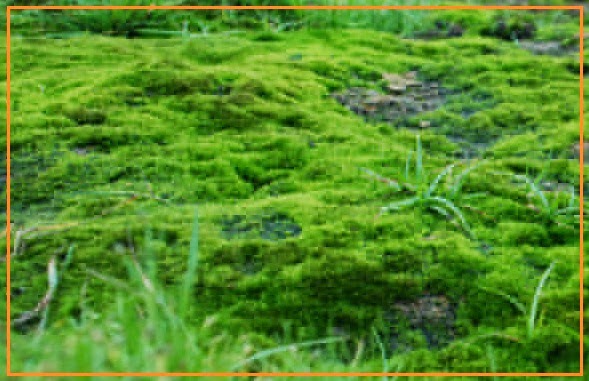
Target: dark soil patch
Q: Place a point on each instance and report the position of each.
(471, 143)
(516, 27)
(404, 97)
(432, 316)
(83, 151)
(467, 149)
(441, 30)
(576, 151)
(269, 226)
(556, 186)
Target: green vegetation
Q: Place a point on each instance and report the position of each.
(534, 308)
(122, 125)
(550, 209)
(427, 195)
(509, 25)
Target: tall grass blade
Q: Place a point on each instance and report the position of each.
(148, 261)
(68, 258)
(383, 353)
(408, 166)
(492, 360)
(534, 308)
(54, 277)
(567, 210)
(419, 160)
(190, 274)
(284, 348)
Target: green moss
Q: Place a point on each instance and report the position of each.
(401, 256)
(84, 115)
(513, 27)
(246, 123)
(518, 233)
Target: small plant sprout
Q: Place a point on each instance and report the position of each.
(439, 195)
(551, 206)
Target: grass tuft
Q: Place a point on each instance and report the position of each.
(429, 195)
(550, 209)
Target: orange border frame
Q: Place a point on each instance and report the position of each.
(580, 8)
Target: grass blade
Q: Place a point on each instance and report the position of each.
(419, 160)
(533, 186)
(68, 258)
(460, 178)
(385, 180)
(567, 210)
(573, 198)
(269, 352)
(441, 211)
(383, 353)
(190, 274)
(400, 204)
(492, 361)
(436, 182)
(408, 165)
(534, 308)
(450, 205)
(53, 277)
(507, 297)
(474, 195)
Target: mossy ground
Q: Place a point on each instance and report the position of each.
(114, 142)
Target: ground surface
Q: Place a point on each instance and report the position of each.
(287, 143)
